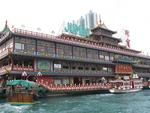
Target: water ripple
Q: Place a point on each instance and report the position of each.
(99, 103)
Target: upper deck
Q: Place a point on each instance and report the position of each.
(71, 40)
(78, 41)
(68, 49)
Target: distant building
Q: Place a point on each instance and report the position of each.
(82, 22)
(91, 19)
(82, 26)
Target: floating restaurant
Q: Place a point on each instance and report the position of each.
(68, 63)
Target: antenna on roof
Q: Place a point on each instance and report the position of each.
(99, 21)
(61, 29)
(6, 23)
(38, 29)
(23, 26)
(127, 38)
(53, 32)
(12, 26)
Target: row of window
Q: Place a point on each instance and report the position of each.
(65, 66)
(47, 65)
(25, 40)
(78, 52)
(45, 48)
(142, 70)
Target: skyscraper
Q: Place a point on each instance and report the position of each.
(82, 22)
(91, 19)
(83, 25)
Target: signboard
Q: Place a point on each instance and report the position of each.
(43, 65)
(57, 66)
(123, 69)
(135, 76)
(77, 29)
(126, 77)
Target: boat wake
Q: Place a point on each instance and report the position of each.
(106, 94)
(8, 108)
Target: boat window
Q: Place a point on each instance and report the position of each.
(65, 81)
(107, 58)
(93, 54)
(87, 68)
(64, 50)
(73, 67)
(101, 57)
(57, 66)
(87, 81)
(18, 46)
(65, 67)
(80, 68)
(45, 48)
(57, 81)
(99, 68)
(93, 68)
(43, 65)
(104, 68)
(109, 69)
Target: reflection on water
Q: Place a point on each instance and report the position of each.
(99, 103)
(7, 108)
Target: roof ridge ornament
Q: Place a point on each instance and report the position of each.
(99, 21)
(103, 25)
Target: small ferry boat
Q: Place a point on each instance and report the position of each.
(126, 86)
(21, 92)
(146, 84)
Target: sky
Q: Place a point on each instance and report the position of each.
(49, 15)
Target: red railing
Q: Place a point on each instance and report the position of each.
(23, 68)
(31, 33)
(74, 87)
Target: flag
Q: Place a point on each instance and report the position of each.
(127, 33)
(12, 26)
(39, 29)
(128, 42)
(6, 23)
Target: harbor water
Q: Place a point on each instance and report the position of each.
(138, 102)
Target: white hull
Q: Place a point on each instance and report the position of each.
(117, 91)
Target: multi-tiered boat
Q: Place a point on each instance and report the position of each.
(67, 63)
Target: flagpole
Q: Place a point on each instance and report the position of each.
(127, 38)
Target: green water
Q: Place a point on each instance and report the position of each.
(99, 103)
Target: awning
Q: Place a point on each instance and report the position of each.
(24, 83)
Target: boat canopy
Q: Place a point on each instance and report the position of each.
(24, 83)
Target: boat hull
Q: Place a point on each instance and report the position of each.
(146, 87)
(20, 99)
(119, 91)
(75, 92)
(2, 93)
